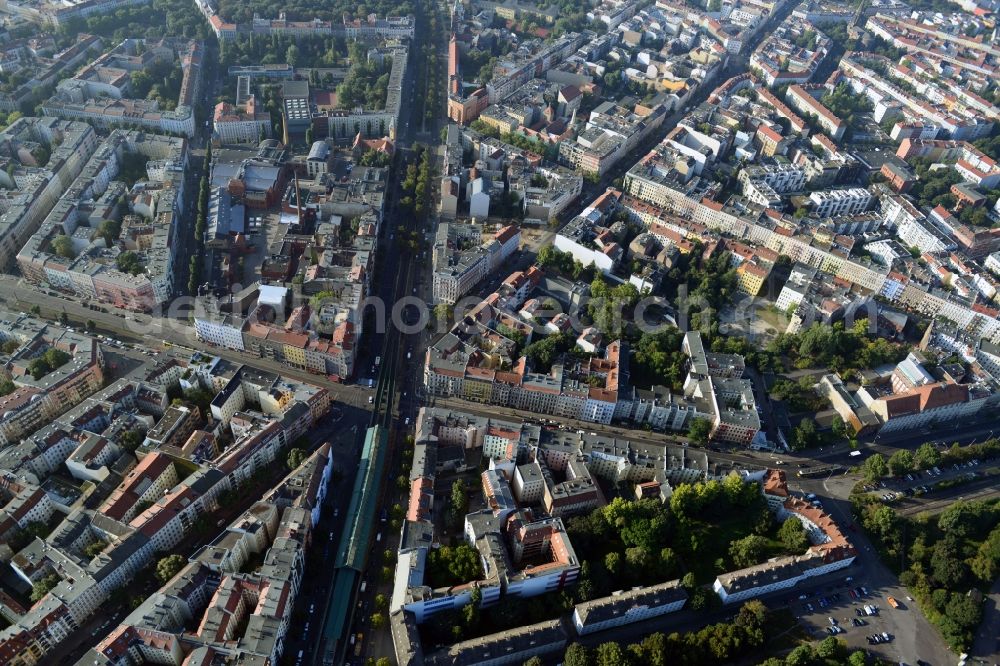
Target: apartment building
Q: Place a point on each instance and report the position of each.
(33, 191)
(241, 124)
(830, 550)
(805, 100)
(92, 270)
(833, 203)
(460, 263)
(629, 606)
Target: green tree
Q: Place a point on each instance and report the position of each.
(168, 567)
(927, 456)
(831, 648)
(613, 563)
(459, 503)
(577, 655)
(6, 386)
(296, 457)
(805, 435)
(792, 535)
(378, 620)
(43, 587)
(700, 430)
(62, 245)
(947, 566)
(857, 658)
(901, 462)
(129, 262)
(453, 565)
(747, 551)
(130, 440)
(985, 565)
(803, 655)
(875, 467)
(93, 549)
(610, 654)
(839, 428)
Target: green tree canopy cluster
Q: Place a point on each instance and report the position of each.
(200, 223)
(296, 457)
(169, 566)
(129, 262)
(306, 10)
(542, 353)
(456, 565)
(154, 20)
(43, 587)
(367, 82)
(375, 158)
(643, 542)
(657, 359)
(715, 644)
(800, 396)
(62, 245)
(308, 52)
(845, 103)
(130, 440)
(926, 456)
(563, 262)
(941, 558)
(549, 151)
(161, 82)
(793, 535)
(700, 430)
(933, 187)
(625, 543)
(416, 182)
(49, 360)
(199, 397)
(840, 350)
(93, 549)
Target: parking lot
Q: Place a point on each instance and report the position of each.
(928, 482)
(840, 610)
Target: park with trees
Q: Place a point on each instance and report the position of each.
(367, 81)
(945, 559)
(706, 529)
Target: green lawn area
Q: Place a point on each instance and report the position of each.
(776, 319)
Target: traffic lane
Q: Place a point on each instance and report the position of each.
(322, 554)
